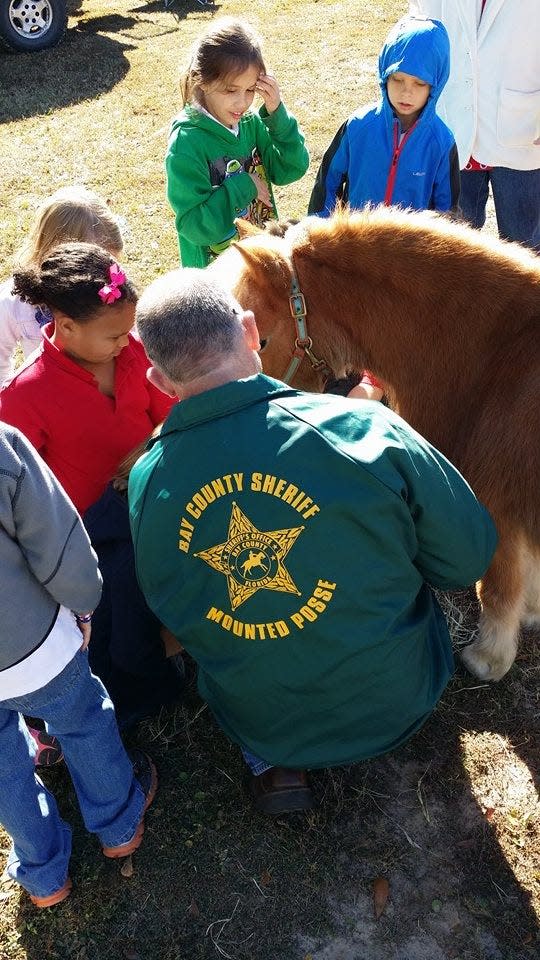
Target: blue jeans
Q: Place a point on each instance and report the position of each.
(516, 195)
(78, 710)
(255, 764)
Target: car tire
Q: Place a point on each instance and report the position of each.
(27, 25)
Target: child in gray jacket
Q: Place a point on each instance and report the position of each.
(49, 586)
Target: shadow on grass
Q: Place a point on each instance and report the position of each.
(177, 9)
(215, 879)
(82, 67)
(86, 63)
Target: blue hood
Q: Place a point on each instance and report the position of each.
(420, 47)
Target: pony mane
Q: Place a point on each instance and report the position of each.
(390, 239)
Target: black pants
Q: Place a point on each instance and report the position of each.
(126, 650)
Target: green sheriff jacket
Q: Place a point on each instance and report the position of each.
(208, 184)
(287, 539)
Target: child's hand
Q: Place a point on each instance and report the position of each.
(366, 391)
(86, 630)
(268, 89)
(263, 192)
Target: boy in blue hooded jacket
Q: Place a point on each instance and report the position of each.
(398, 151)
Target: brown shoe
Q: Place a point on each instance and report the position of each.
(53, 898)
(278, 790)
(146, 774)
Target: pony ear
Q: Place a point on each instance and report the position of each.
(261, 257)
(246, 229)
(266, 270)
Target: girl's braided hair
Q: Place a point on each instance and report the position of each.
(69, 280)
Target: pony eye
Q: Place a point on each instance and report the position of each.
(263, 345)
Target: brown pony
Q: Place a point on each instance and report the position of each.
(450, 322)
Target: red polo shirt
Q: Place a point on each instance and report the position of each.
(81, 433)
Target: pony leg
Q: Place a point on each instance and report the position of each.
(531, 616)
(502, 595)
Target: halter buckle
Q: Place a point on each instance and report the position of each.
(297, 305)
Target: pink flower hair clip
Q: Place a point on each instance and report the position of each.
(111, 291)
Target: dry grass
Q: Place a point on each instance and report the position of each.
(96, 109)
(452, 818)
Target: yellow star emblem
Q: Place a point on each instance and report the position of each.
(252, 559)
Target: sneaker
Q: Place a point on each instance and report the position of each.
(53, 898)
(146, 773)
(48, 749)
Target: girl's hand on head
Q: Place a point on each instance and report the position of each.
(268, 89)
(263, 193)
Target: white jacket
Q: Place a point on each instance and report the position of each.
(18, 324)
(492, 99)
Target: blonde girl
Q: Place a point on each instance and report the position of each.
(71, 213)
(222, 156)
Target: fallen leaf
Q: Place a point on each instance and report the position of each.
(266, 878)
(490, 812)
(381, 892)
(127, 867)
(193, 910)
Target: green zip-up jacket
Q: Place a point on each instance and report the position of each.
(289, 539)
(207, 169)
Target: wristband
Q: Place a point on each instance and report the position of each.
(369, 379)
(83, 617)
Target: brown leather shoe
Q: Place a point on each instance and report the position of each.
(278, 790)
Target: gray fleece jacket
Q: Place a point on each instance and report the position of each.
(45, 555)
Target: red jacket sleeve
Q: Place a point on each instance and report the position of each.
(160, 404)
(19, 409)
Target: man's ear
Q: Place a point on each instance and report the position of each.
(158, 379)
(251, 332)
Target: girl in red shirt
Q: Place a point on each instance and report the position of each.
(84, 402)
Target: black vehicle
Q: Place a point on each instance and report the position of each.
(29, 25)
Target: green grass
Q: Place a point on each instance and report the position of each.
(214, 879)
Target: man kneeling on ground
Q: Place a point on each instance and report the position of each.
(290, 539)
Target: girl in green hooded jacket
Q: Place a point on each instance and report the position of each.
(222, 157)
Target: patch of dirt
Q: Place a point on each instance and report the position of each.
(452, 821)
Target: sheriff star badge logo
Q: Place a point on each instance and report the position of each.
(252, 559)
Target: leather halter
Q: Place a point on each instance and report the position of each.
(303, 343)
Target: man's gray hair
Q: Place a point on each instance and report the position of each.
(188, 324)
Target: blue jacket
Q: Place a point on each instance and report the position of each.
(366, 163)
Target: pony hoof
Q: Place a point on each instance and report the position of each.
(486, 665)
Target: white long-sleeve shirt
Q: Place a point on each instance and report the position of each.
(18, 324)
